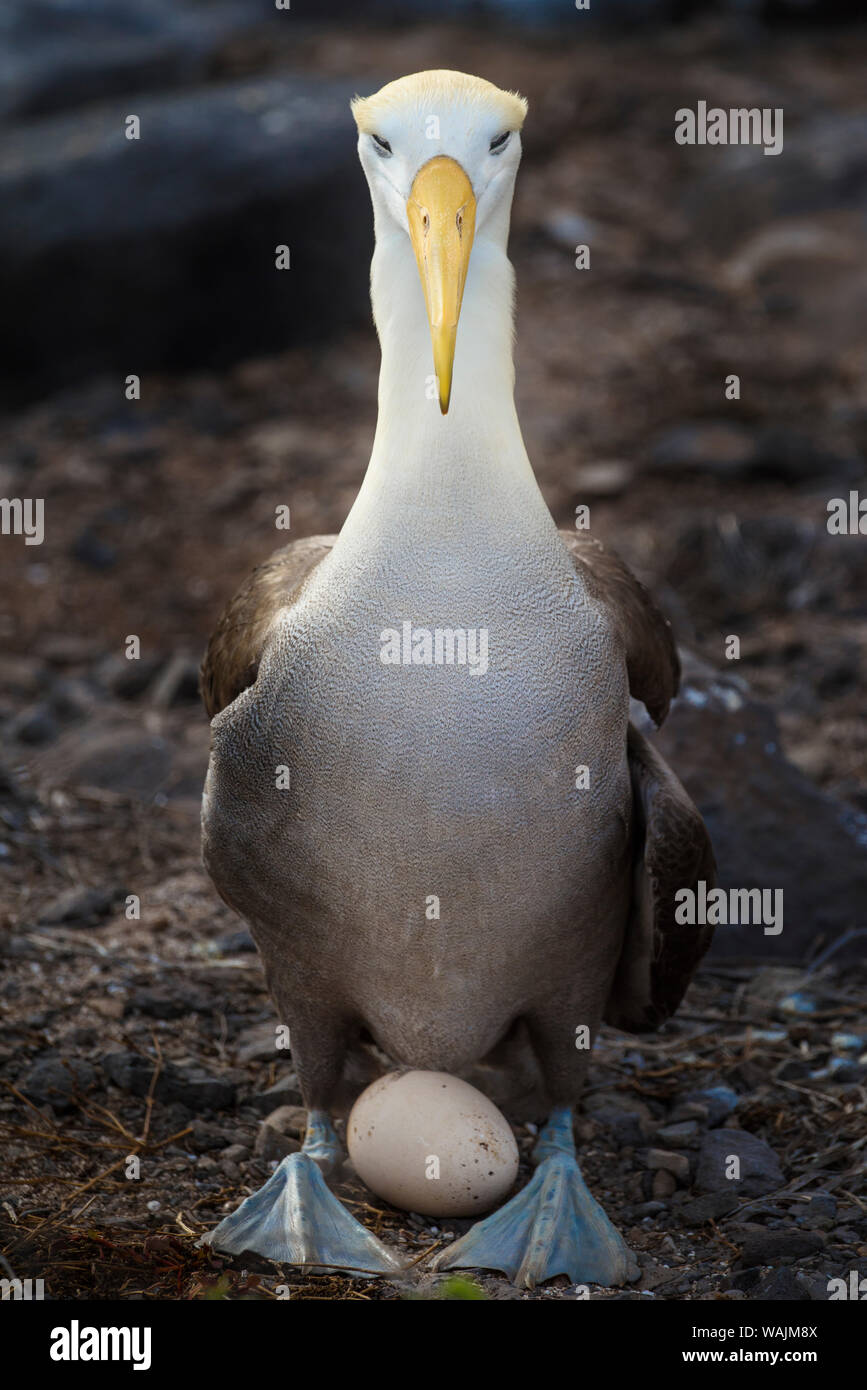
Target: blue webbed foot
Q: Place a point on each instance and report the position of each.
(553, 1226)
(296, 1219)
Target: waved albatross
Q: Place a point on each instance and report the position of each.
(432, 677)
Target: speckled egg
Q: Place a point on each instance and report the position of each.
(430, 1143)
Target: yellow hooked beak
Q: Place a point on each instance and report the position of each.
(442, 221)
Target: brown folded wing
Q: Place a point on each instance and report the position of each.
(672, 850)
(232, 660)
(651, 655)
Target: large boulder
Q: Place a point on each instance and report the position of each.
(57, 54)
(771, 827)
(124, 255)
(738, 188)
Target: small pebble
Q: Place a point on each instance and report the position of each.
(664, 1184)
(676, 1163)
(678, 1136)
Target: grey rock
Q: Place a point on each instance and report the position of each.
(288, 1119)
(35, 724)
(628, 1120)
(815, 1284)
(166, 1004)
(117, 759)
(82, 907)
(90, 549)
(198, 1091)
(67, 649)
(848, 1073)
(726, 449)
(719, 1102)
(56, 1081)
(690, 1110)
(736, 566)
(678, 1136)
(133, 1073)
(188, 1086)
(710, 1207)
(721, 447)
(81, 1037)
(645, 1209)
(845, 1235)
(760, 1170)
(225, 169)
(285, 1091)
(824, 168)
(675, 1163)
(237, 943)
(793, 1070)
(727, 751)
(235, 1153)
(821, 1213)
(773, 1247)
(207, 1136)
(271, 1145)
(57, 54)
(664, 1184)
(124, 678)
(782, 1286)
(71, 698)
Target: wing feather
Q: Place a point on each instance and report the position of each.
(651, 655)
(232, 659)
(673, 851)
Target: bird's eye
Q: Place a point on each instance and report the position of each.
(382, 146)
(500, 142)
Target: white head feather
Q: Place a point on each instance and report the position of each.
(441, 113)
(453, 461)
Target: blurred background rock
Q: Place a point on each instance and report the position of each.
(156, 257)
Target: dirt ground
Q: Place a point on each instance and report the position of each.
(153, 1035)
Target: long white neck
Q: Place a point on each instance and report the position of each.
(432, 475)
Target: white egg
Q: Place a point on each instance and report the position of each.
(430, 1143)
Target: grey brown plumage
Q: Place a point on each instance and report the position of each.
(231, 661)
(672, 852)
(651, 655)
(232, 658)
(672, 848)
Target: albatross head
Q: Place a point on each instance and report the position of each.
(440, 151)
